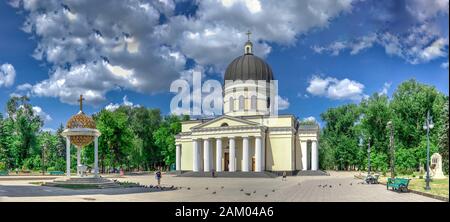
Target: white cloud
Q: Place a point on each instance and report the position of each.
(44, 116)
(125, 102)
(7, 75)
(444, 65)
(427, 9)
(309, 119)
(385, 88)
(142, 53)
(283, 103)
(336, 89)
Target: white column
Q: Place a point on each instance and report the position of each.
(219, 154)
(178, 157)
(303, 144)
(263, 153)
(232, 166)
(195, 155)
(96, 156)
(206, 156)
(245, 154)
(314, 156)
(78, 160)
(67, 156)
(258, 154)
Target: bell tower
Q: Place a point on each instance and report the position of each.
(248, 47)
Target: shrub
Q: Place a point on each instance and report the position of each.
(2, 166)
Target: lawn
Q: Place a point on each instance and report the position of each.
(438, 187)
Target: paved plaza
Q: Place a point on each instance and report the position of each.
(339, 186)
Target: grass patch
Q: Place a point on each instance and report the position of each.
(77, 186)
(39, 183)
(439, 187)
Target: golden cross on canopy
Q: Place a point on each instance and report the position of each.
(81, 102)
(248, 34)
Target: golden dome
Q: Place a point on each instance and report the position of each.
(81, 120)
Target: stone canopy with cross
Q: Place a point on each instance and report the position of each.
(81, 131)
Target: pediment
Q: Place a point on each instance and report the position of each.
(225, 121)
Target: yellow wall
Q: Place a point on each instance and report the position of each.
(186, 156)
(279, 153)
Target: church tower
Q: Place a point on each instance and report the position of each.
(247, 88)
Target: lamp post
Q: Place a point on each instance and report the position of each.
(427, 126)
(368, 151)
(391, 143)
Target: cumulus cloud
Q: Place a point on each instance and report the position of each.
(444, 65)
(309, 119)
(39, 112)
(385, 88)
(283, 103)
(126, 102)
(93, 52)
(336, 89)
(7, 75)
(406, 29)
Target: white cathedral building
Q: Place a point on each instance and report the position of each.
(247, 137)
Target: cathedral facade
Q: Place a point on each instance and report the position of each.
(248, 137)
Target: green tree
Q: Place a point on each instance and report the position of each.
(443, 137)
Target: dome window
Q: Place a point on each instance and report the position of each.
(241, 103)
(253, 103)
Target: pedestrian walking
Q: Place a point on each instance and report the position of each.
(158, 177)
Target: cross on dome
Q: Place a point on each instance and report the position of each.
(81, 102)
(248, 48)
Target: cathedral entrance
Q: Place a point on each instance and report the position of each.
(226, 161)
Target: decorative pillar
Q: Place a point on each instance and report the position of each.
(219, 154)
(178, 157)
(314, 156)
(206, 156)
(258, 154)
(263, 153)
(67, 156)
(195, 156)
(232, 166)
(78, 161)
(245, 154)
(96, 156)
(303, 146)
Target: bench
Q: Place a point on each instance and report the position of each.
(398, 184)
(56, 173)
(4, 173)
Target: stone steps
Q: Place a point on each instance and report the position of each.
(312, 173)
(230, 174)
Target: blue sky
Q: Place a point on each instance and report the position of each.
(323, 53)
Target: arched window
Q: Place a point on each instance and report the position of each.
(268, 102)
(241, 103)
(224, 125)
(231, 104)
(253, 103)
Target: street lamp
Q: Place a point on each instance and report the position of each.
(427, 126)
(391, 141)
(368, 151)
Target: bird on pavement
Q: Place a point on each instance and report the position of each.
(254, 191)
(273, 190)
(265, 195)
(248, 194)
(242, 189)
(221, 187)
(214, 192)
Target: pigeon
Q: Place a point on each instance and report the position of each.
(350, 184)
(172, 187)
(242, 189)
(273, 190)
(254, 191)
(248, 194)
(265, 195)
(189, 188)
(319, 185)
(339, 184)
(206, 188)
(214, 192)
(331, 186)
(221, 187)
